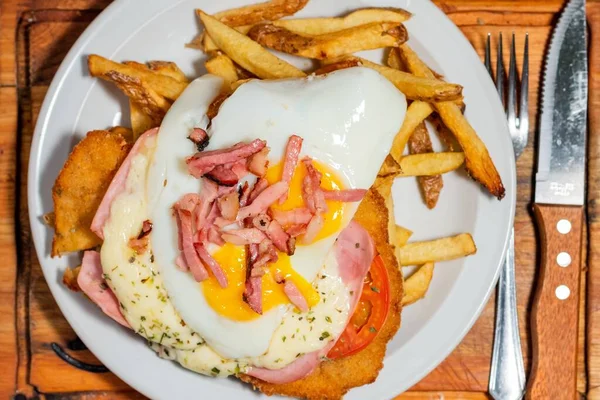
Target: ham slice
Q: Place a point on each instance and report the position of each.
(347, 196)
(295, 296)
(354, 264)
(92, 283)
(243, 236)
(117, 186)
(259, 163)
(262, 202)
(201, 163)
(292, 217)
(214, 266)
(292, 152)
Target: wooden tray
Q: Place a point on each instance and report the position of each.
(35, 36)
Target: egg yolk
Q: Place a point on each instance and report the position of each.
(330, 181)
(229, 302)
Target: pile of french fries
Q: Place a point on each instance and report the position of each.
(238, 43)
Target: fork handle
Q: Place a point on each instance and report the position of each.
(507, 374)
(555, 312)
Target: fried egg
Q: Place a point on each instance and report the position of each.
(348, 120)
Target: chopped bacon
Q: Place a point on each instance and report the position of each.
(311, 188)
(146, 228)
(212, 215)
(188, 202)
(295, 296)
(200, 138)
(181, 264)
(279, 237)
(257, 189)
(260, 204)
(225, 190)
(243, 236)
(292, 217)
(244, 193)
(208, 194)
(261, 221)
(239, 168)
(189, 253)
(292, 152)
(291, 245)
(214, 266)
(347, 196)
(259, 162)
(258, 271)
(201, 163)
(222, 222)
(267, 253)
(214, 236)
(296, 230)
(222, 175)
(253, 293)
(313, 228)
(229, 205)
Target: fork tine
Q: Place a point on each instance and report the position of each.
(500, 71)
(512, 84)
(488, 55)
(524, 101)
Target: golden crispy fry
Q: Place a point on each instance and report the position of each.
(209, 45)
(326, 69)
(394, 61)
(417, 285)
(247, 53)
(239, 83)
(261, 12)
(415, 88)
(169, 69)
(478, 161)
(80, 187)
(150, 103)
(140, 122)
(161, 84)
(431, 185)
(213, 108)
(444, 133)
(416, 113)
(449, 248)
(428, 164)
(389, 167)
(402, 236)
(321, 26)
(222, 66)
(69, 278)
(331, 379)
(375, 35)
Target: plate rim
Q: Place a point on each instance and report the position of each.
(45, 114)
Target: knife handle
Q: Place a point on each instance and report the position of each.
(555, 312)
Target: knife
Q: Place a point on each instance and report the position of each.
(559, 208)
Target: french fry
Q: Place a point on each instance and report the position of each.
(321, 26)
(431, 185)
(140, 122)
(389, 167)
(428, 164)
(444, 133)
(402, 236)
(209, 46)
(222, 66)
(375, 35)
(246, 52)
(416, 113)
(326, 69)
(168, 68)
(416, 286)
(163, 85)
(413, 87)
(450, 248)
(394, 61)
(477, 158)
(255, 13)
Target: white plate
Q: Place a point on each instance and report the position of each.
(158, 29)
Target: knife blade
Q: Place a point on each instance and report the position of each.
(558, 207)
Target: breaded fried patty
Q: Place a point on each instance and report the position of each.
(333, 378)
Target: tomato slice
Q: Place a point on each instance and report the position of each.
(370, 314)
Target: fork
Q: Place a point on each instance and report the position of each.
(507, 374)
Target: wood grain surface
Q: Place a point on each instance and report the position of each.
(34, 37)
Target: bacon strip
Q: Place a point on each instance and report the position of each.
(259, 162)
(347, 196)
(260, 185)
(313, 228)
(292, 217)
(295, 296)
(222, 175)
(296, 230)
(243, 236)
(292, 152)
(267, 253)
(244, 193)
(212, 264)
(260, 204)
(279, 237)
(214, 236)
(208, 194)
(92, 283)
(229, 205)
(189, 252)
(253, 289)
(311, 188)
(201, 163)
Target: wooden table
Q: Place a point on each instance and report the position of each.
(35, 36)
